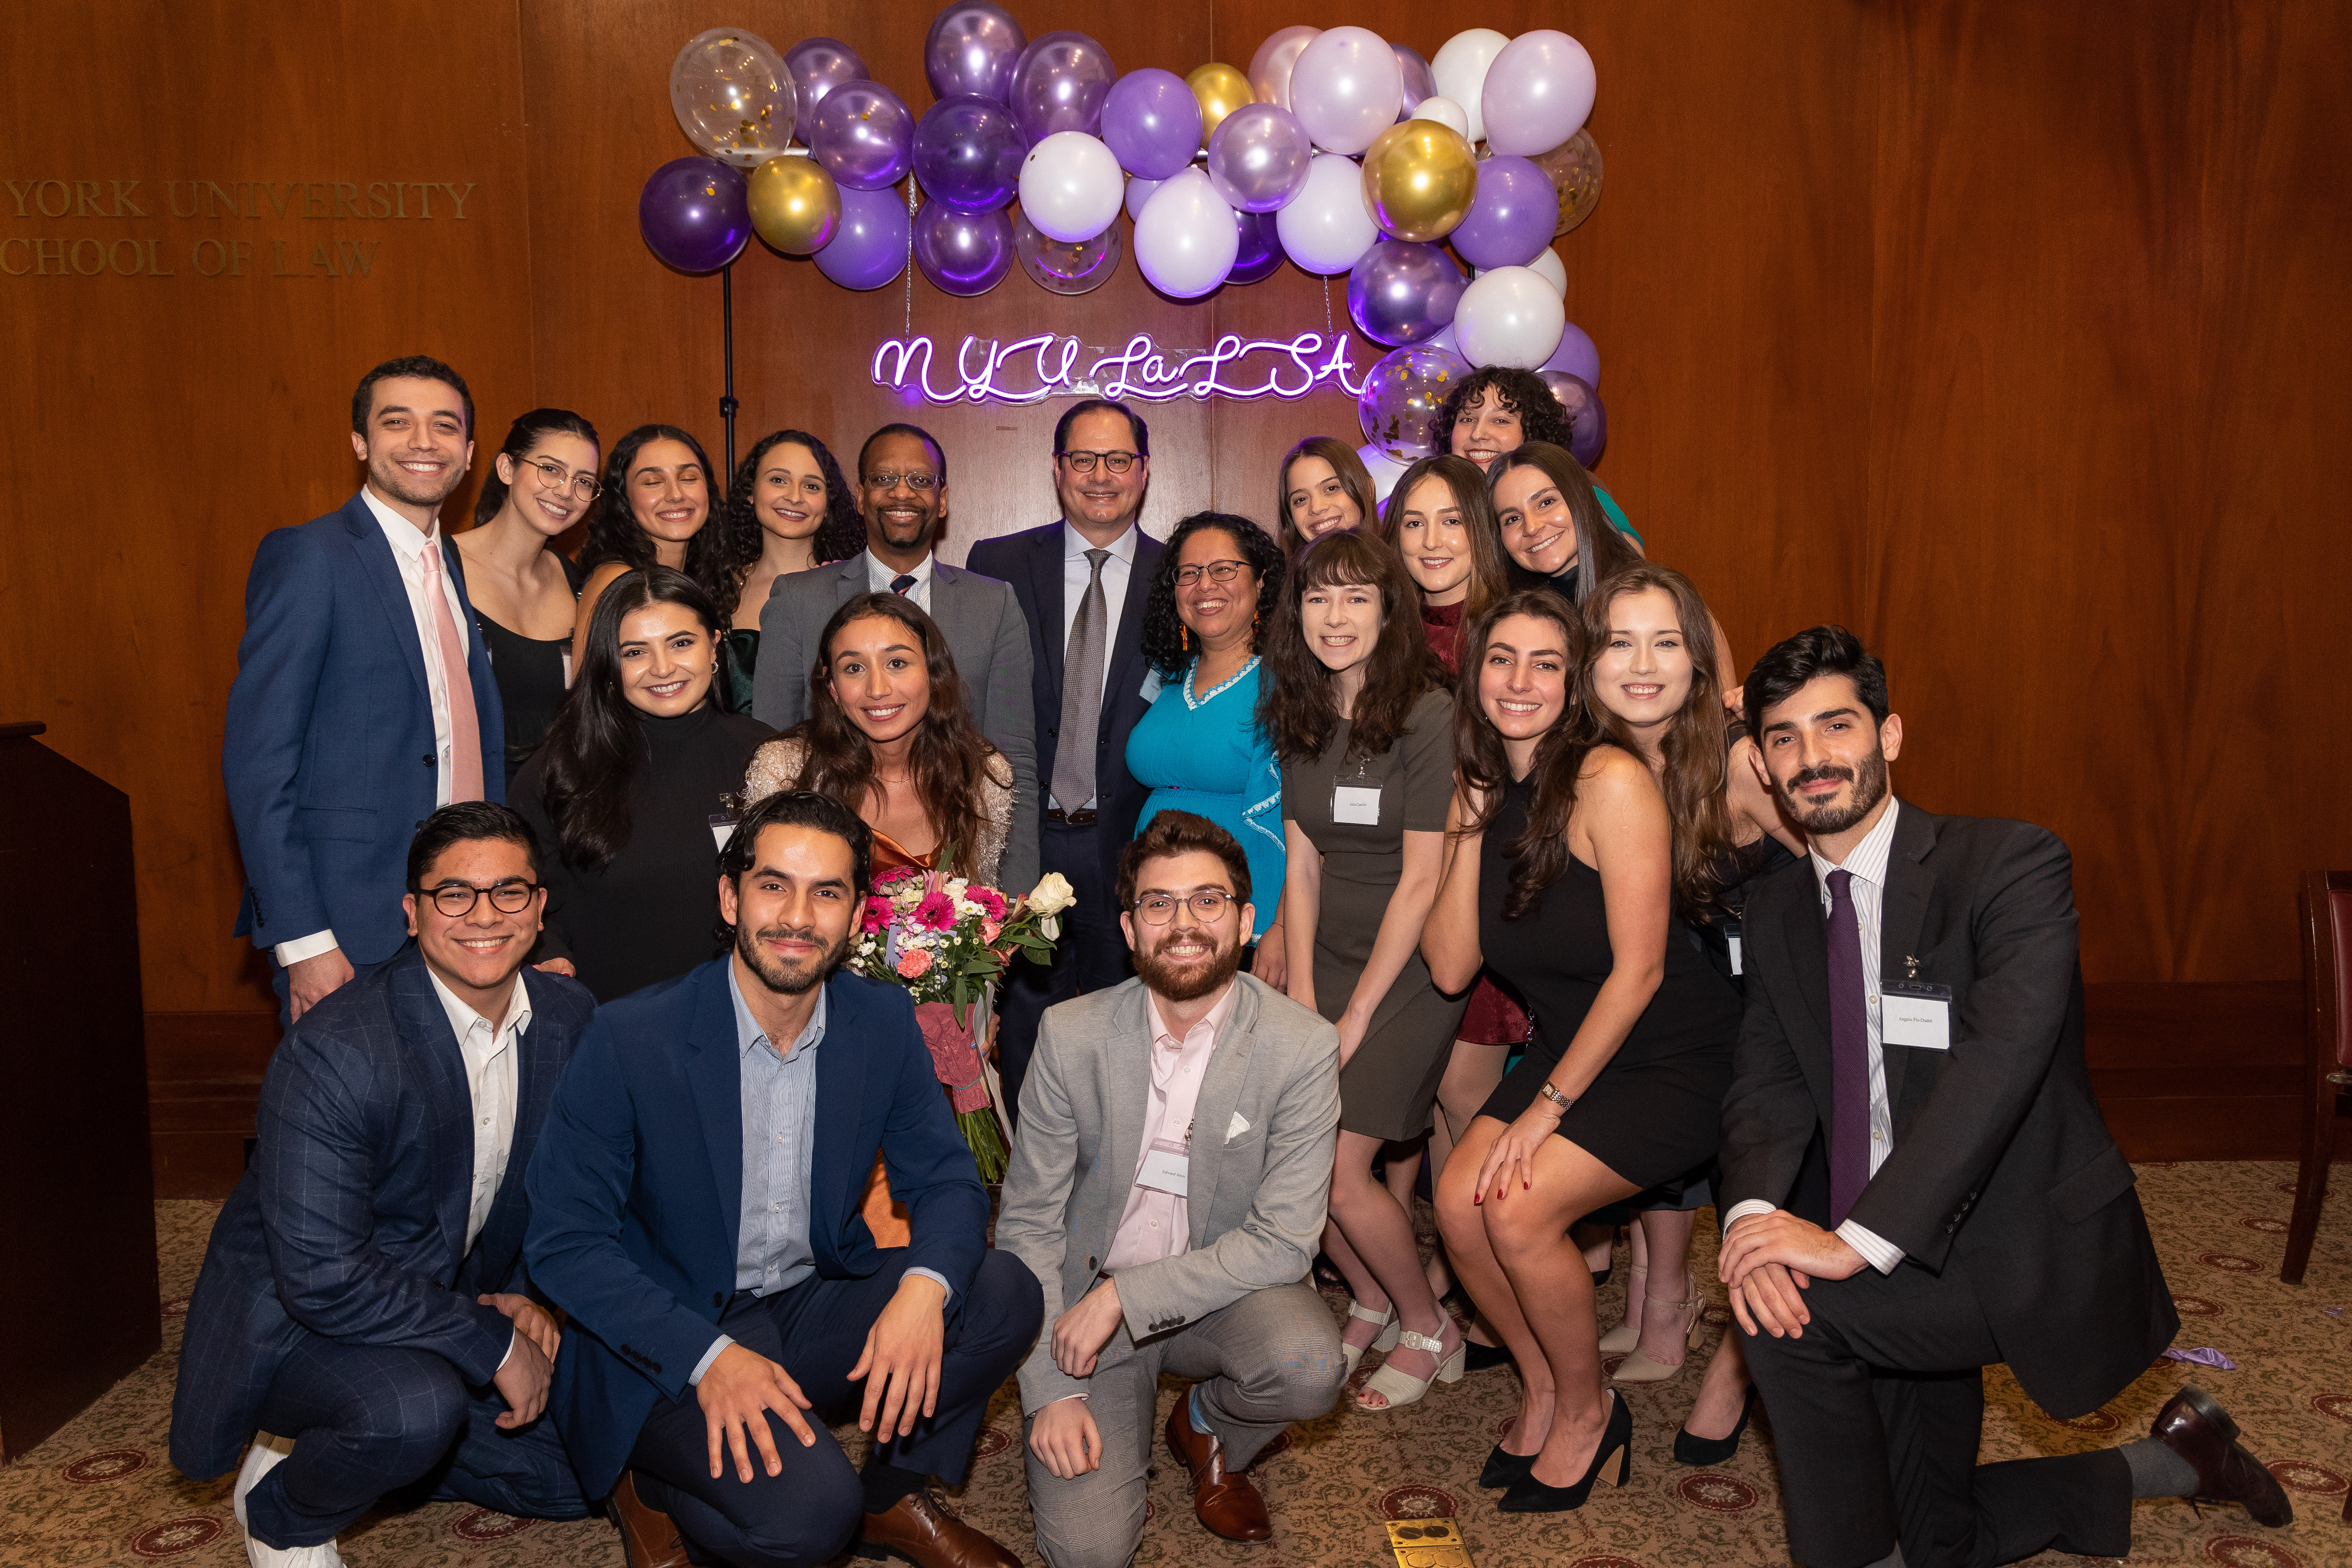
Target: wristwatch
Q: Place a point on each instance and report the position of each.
(1546, 1089)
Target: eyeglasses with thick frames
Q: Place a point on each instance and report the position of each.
(1218, 572)
(917, 481)
(558, 477)
(1084, 462)
(457, 899)
(1159, 909)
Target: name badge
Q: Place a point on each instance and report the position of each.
(1150, 686)
(1165, 1169)
(1734, 955)
(1910, 1014)
(566, 656)
(1353, 802)
(723, 827)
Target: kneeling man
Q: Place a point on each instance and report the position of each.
(1169, 1180)
(363, 1295)
(695, 1208)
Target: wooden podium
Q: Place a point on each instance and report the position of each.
(78, 1294)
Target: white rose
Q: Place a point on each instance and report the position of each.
(1052, 894)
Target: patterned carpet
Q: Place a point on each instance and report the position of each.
(102, 1490)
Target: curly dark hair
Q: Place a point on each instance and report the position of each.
(1523, 392)
(1295, 703)
(841, 535)
(1166, 647)
(613, 533)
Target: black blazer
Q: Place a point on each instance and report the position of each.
(2002, 1158)
(1032, 562)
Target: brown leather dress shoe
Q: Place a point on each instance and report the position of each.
(1225, 1500)
(649, 1539)
(919, 1527)
(2193, 1425)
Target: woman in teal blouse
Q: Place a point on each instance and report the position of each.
(1199, 747)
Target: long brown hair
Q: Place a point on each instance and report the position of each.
(1344, 463)
(1539, 856)
(1490, 569)
(1601, 551)
(1296, 709)
(949, 761)
(1694, 752)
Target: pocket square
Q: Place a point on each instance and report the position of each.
(1240, 1125)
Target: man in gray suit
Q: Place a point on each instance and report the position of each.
(902, 488)
(1150, 1266)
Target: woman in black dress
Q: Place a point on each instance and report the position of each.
(624, 791)
(1566, 863)
(788, 509)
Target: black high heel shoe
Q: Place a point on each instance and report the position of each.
(1529, 1495)
(1692, 1449)
(1485, 1358)
(1504, 1469)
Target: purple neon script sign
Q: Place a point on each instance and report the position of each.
(1031, 369)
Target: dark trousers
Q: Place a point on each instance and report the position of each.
(1876, 1415)
(368, 1421)
(1091, 956)
(816, 1332)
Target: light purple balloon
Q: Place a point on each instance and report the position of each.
(1512, 217)
(1059, 83)
(1588, 421)
(1137, 193)
(696, 213)
(1575, 355)
(869, 248)
(964, 253)
(820, 65)
(1403, 291)
(1261, 254)
(1258, 156)
(863, 135)
(971, 48)
(968, 153)
(1153, 122)
(1418, 82)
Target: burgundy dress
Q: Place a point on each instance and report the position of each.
(1493, 1019)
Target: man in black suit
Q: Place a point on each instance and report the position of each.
(1082, 584)
(1913, 993)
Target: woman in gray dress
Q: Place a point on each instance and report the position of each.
(1358, 712)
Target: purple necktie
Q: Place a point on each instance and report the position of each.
(1849, 1054)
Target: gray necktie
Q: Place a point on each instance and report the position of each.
(1082, 679)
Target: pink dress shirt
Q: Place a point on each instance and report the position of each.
(1158, 1224)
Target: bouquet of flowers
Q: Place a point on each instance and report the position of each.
(946, 940)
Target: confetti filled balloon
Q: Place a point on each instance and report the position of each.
(1061, 269)
(733, 97)
(1574, 167)
(1404, 397)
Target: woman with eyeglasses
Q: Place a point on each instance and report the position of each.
(625, 790)
(1200, 746)
(526, 595)
(656, 499)
(1322, 487)
(788, 509)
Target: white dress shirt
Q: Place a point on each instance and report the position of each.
(490, 1052)
(408, 548)
(1866, 886)
(878, 578)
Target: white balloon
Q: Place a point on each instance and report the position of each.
(1548, 266)
(1508, 316)
(1459, 69)
(1186, 239)
(1137, 193)
(1537, 93)
(1446, 113)
(1346, 87)
(1071, 186)
(1385, 470)
(1325, 228)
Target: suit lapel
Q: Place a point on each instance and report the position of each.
(1803, 926)
(714, 1071)
(1045, 590)
(536, 1071)
(1212, 1113)
(1127, 1091)
(382, 570)
(425, 1029)
(836, 1174)
(1903, 910)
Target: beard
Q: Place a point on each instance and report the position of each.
(402, 486)
(1187, 982)
(787, 979)
(1869, 784)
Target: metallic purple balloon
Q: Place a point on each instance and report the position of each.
(1511, 218)
(696, 213)
(968, 153)
(1059, 83)
(869, 248)
(1261, 253)
(971, 48)
(863, 135)
(1418, 82)
(1403, 291)
(820, 65)
(1152, 122)
(1588, 421)
(1258, 156)
(964, 253)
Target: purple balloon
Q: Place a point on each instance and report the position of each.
(1060, 83)
(1576, 357)
(1261, 253)
(964, 253)
(1588, 421)
(696, 213)
(968, 153)
(1419, 83)
(1152, 122)
(820, 65)
(1512, 217)
(1403, 293)
(869, 248)
(863, 135)
(971, 48)
(1258, 156)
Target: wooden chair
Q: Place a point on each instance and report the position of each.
(2326, 904)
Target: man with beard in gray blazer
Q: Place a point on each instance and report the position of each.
(1170, 1175)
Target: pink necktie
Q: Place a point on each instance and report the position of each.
(465, 725)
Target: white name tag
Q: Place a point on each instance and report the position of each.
(1165, 1170)
(1150, 686)
(722, 828)
(1351, 802)
(1919, 1015)
(1734, 955)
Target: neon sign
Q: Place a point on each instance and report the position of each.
(1031, 369)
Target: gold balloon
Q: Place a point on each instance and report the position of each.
(795, 205)
(1221, 89)
(1419, 178)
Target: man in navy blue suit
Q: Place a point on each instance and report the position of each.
(364, 1296)
(362, 699)
(1082, 584)
(694, 1209)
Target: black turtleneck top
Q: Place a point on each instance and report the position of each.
(649, 914)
